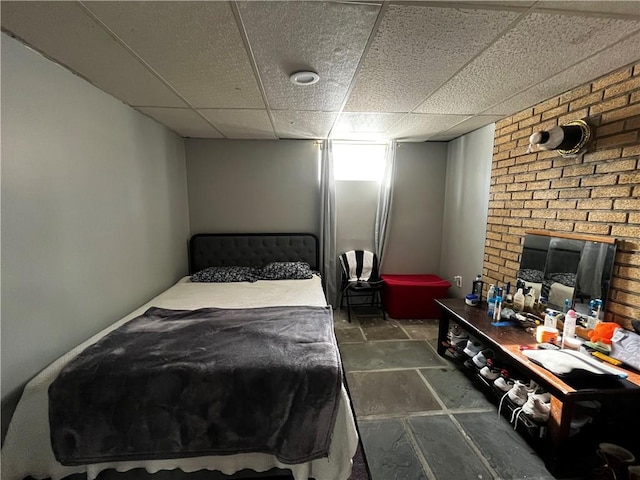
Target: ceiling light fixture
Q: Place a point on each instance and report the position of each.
(304, 78)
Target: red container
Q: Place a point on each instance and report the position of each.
(412, 296)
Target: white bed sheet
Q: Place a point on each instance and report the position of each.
(27, 448)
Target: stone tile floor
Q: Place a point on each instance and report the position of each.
(419, 416)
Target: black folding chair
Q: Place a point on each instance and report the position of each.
(360, 278)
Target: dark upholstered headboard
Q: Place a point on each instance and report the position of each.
(251, 249)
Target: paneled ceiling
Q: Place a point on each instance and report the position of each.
(414, 71)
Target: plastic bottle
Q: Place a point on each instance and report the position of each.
(550, 320)
(497, 309)
(518, 301)
(569, 328)
(477, 287)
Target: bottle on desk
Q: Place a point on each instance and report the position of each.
(569, 329)
(518, 301)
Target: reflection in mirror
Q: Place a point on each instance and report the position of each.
(565, 266)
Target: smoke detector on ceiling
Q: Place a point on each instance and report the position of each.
(304, 78)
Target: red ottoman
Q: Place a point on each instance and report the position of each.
(412, 296)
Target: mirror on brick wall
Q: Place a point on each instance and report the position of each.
(567, 266)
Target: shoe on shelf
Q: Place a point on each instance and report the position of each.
(457, 335)
(503, 382)
(489, 371)
(480, 358)
(469, 364)
(458, 352)
(536, 408)
(519, 393)
(472, 348)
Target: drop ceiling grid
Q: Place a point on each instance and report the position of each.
(303, 124)
(416, 49)
(419, 127)
(468, 125)
(325, 37)
(593, 67)
(184, 121)
(522, 63)
(65, 33)
(356, 122)
(241, 124)
(208, 66)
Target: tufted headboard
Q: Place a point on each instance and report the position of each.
(251, 249)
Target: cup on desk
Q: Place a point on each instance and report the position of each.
(546, 334)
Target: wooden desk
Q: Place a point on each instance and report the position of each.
(506, 341)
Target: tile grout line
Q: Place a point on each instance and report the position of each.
(474, 447)
(418, 451)
(457, 424)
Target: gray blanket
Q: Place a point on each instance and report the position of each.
(174, 383)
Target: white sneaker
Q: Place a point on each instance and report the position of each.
(503, 383)
(472, 348)
(490, 372)
(536, 409)
(480, 358)
(518, 393)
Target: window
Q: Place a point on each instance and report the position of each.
(358, 162)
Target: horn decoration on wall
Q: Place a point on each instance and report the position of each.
(569, 140)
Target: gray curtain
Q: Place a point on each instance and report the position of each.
(385, 196)
(328, 224)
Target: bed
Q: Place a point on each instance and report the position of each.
(28, 451)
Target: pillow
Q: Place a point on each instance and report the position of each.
(225, 275)
(285, 271)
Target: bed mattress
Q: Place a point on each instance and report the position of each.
(27, 448)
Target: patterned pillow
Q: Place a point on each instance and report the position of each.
(530, 275)
(225, 275)
(285, 271)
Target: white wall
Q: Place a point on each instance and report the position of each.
(253, 186)
(466, 207)
(417, 212)
(94, 211)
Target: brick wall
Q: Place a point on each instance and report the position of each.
(597, 193)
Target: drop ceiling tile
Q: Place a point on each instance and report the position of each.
(325, 37)
(64, 32)
(420, 127)
(624, 53)
(606, 7)
(195, 46)
(515, 63)
(248, 124)
(416, 49)
(365, 123)
(184, 121)
(466, 126)
(290, 124)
